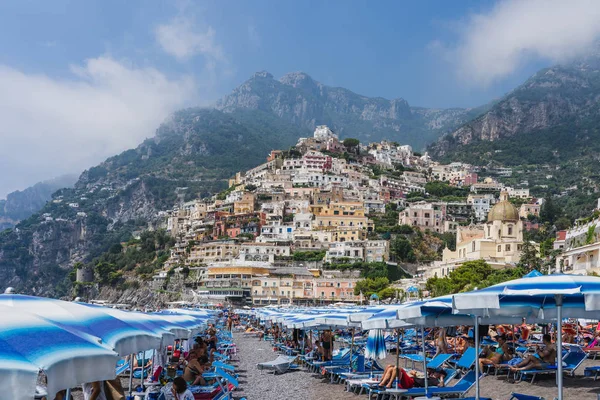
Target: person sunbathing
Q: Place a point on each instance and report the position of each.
(407, 380)
(495, 357)
(193, 371)
(541, 358)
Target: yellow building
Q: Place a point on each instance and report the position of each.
(221, 250)
(245, 205)
(499, 241)
(341, 214)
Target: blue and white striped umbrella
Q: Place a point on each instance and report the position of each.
(365, 313)
(117, 334)
(375, 348)
(541, 298)
(534, 298)
(29, 344)
(385, 319)
(332, 320)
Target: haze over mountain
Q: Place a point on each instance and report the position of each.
(299, 99)
(21, 204)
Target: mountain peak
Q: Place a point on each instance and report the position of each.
(297, 79)
(263, 74)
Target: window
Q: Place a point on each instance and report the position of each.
(473, 246)
(520, 246)
(488, 231)
(332, 294)
(507, 247)
(510, 230)
(499, 249)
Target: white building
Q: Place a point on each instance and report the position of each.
(481, 203)
(322, 132)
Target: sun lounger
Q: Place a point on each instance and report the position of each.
(592, 371)
(571, 361)
(280, 365)
(592, 352)
(519, 396)
(458, 390)
(467, 360)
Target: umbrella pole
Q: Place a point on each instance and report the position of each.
(476, 334)
(68, 394)
(559, 373)
(351, 348)
(398, 358)
(424, 357)
(131, 374)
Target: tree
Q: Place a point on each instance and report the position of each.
(563, 223)
(351, 144)
(386, 293)
(401, 248)
(530, 259)
(549, 211)
(369, 286)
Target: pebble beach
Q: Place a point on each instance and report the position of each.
(299, 385)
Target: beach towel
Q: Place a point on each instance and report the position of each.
(514, 361)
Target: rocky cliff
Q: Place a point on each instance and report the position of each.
(557, 102)
(190, 157)
(301, 100)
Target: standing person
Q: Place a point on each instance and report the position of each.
(441, 343)
(229, 323)
(326, 342)
(93, 391)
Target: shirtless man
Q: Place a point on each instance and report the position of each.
(540, 358)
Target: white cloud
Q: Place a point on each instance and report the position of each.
(180, 38)
(493, 45)
(53, 126)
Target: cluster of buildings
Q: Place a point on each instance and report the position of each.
(578, 248)
(266, 239)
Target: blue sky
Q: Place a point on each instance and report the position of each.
(83, 80)
(374, 48)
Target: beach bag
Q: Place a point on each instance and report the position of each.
(113, 390)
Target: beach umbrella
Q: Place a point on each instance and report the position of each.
(533, 274)
(365, 313)
(29, 344)
(123, 337)
(375, 348)
(541, 298)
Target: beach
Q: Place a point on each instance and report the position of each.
(262, 385)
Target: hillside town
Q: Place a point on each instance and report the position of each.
(289, 230)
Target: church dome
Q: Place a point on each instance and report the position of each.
(503, 210)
